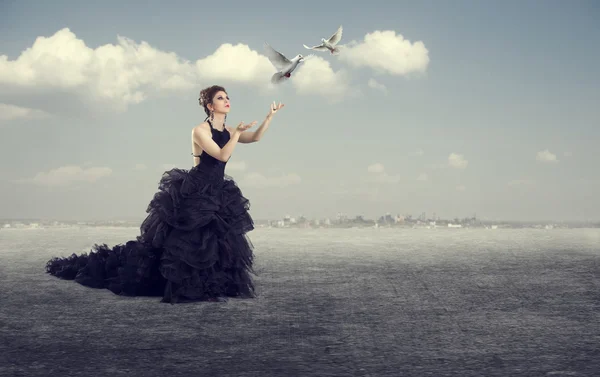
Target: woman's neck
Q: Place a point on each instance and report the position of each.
(218, 121)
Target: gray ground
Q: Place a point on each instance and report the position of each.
(332, 303)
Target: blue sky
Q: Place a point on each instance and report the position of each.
(449, 107)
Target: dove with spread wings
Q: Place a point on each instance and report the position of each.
(284, 66)
(329, 44)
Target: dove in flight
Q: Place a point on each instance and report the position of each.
(284, 66)
(329, 44)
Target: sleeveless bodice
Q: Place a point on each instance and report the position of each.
(208, 163)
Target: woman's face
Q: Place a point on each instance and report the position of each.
(220, 102)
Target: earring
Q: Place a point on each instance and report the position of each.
(225, 119)
(212, 116)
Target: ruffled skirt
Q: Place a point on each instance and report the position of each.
(192, 245)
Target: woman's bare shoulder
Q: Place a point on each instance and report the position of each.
(204, 126)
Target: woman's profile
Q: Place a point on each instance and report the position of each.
(192, 244)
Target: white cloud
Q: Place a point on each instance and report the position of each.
(62, 70)
(116, 75)
(387, 52)
(457, 161)
(68, 175)
(261, 181)
(546, 156)
(11, 112)
(423, 177)
(315, 76)
(376, 168)
(236, 63)
(376, 85)
(379, 175)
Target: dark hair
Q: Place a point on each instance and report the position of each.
(206, 96)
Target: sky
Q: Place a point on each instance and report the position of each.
(455, 108)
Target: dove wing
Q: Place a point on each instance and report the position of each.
(316, 48)
(276, 58)
(278, 78)
(336, 37)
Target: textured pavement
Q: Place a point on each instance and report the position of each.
(336, 308)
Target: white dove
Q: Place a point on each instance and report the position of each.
(329, 44)
(284, 65)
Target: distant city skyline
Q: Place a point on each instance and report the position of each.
(453, 108)
(333, 217)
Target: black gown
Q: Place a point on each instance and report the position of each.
(192, 245)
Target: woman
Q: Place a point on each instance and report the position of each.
(193, 244)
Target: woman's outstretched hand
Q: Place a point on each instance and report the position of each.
(243, 127)
(274, 107)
